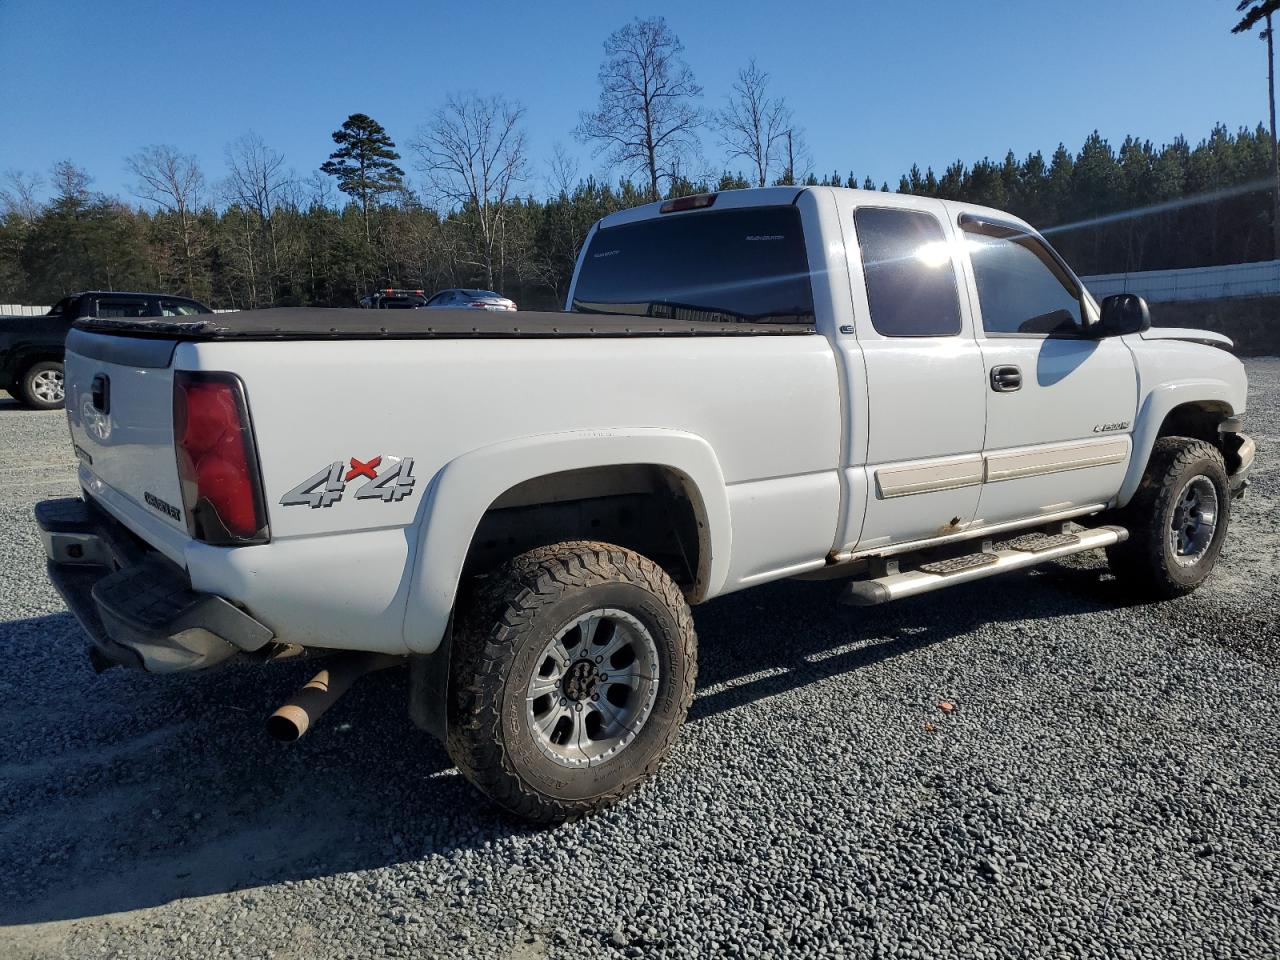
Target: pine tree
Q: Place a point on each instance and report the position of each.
(364, 163)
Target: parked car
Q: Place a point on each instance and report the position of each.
(907, 393)
(394, 299)
(31, 347)
(477, 299)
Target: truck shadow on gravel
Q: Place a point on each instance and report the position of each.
(124, 791)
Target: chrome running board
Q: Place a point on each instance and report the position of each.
(976, 566)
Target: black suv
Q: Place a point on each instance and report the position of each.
(31, 347)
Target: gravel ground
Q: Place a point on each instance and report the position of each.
(1106, 784)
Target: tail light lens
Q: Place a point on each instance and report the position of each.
(218, 460)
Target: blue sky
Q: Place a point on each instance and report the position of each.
(877, 86)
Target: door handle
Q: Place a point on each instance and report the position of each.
(1006, 378)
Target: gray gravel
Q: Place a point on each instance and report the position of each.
(1106, 784)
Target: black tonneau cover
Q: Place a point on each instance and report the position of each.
(328, 323)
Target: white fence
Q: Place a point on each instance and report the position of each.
(24, 310)
(1192, 283)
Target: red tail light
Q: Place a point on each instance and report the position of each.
(217, 460)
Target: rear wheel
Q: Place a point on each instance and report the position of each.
(1177, 520)
(41, 387)
(573, 669)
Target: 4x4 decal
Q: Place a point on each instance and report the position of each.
(326, 486)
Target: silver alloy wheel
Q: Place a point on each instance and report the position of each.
(1195, 517)
(593, 688)
(47, 386)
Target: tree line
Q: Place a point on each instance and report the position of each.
(471, 215)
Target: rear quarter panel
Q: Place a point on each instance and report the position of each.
(343, 574)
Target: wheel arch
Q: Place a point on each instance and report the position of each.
(1192, 408)
(470, 487)
(25, 358)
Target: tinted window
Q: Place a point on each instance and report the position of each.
(121, 307)
(728, 266)
(178, 308)
(1021, 286)
(67, 307)
(911, 282)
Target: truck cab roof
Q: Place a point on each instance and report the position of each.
(782, 196)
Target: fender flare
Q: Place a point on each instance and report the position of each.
(1151, 416)
(464, 489)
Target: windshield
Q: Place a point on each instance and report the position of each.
(64, 307)
(730, 266)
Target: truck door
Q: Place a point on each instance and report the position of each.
(1060, 403)
(925, 407)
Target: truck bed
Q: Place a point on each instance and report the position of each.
(330, 323)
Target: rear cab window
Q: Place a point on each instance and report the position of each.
(743, 265)
(911, 279)
(179, 308)
(124, 307)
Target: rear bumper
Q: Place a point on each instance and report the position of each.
(137, 607)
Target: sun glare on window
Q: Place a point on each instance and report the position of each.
(936, 253)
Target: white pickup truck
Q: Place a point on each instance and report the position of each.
(745, 386)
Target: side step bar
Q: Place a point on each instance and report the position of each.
(976, 566)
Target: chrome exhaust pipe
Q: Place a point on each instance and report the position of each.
(322, 691)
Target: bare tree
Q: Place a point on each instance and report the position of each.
(753, 125)
(646, 119)
(174, 183)
(19, 195)
(795, 154)
(472, 153)
(562, 171)
(318, 192)
(257, 182)
(257, 178)
(70, 182)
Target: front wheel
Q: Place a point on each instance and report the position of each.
(573, 669)
(1177, 520)
(41, 387)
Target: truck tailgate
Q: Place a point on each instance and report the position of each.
(120, 410)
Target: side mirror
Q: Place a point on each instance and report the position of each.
(1123, 313)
